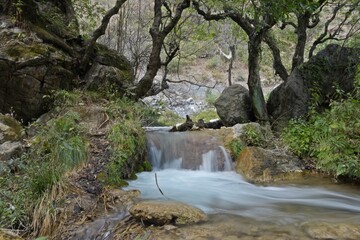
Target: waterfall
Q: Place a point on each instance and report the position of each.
(187, 150)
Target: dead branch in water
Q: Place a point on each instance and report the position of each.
(158, 185)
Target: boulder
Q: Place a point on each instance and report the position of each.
(317, 81)
(44, 57)
(167, 212)
(234, 106)
(109, 68)
(324, 230)
(262, 165)
(10, 137)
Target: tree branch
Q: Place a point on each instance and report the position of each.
(98, 33)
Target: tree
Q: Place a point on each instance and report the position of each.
(256, 18)
(163, 24)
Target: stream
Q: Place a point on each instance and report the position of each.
(193, 168)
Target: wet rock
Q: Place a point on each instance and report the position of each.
(262, 165)
(234, 106)
(331, 69)
(324, 230)
(167, 212)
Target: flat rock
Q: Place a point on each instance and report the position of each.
(324, 230)
(167, 212)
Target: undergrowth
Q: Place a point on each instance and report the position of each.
(58, 147)
(331, 137)
(32, 185)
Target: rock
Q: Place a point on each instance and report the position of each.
(324, 230)
(234, 106)
(10, 137)
(262, 165)
(317, 80)
(109, 68)
(46, 57)
(167, 212)
(10, 129)
(30, 69)
(251, 134)
(10, 150)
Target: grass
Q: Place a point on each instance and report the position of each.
(29, 196)
(206, 115)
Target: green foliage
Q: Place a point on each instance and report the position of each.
(88, 13)
(63, 98)
(127, 139)
(206, 115)
(210, 97)
(332, 137)
(127, 147)
(213, 62)
(253, 135)
(168, 118)
(236, 147)
(298, 137)
(58, 147)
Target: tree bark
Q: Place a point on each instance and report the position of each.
(254, 83)
(232, 50)
(277, 64)
(301, 31)
(158, 36)
(98, 33)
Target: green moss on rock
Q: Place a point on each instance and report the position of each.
(18, 50)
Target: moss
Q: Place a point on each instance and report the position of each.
(15, 132)
(112, 58)
(60, 25)
(22, 51)
(144, 167)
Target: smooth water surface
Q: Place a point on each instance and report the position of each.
(227, 192)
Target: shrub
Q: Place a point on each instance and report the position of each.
(236, 147)
(210, 97)
(253, 136)
(332, 137)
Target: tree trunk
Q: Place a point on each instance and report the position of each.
(303, 21)
(255, 90)
(84, 63)
(232, 50)
(277, 64)
(158, 36)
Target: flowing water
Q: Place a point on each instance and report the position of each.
(194, 168)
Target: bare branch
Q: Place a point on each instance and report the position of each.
(98, 33)
(323, 36)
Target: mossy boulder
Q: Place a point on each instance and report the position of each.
(314, 84)
(10, 129)
(30, 69)
(43, 57)
(109, 68)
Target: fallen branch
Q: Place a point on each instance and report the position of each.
(158, 185)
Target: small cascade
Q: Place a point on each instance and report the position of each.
(187, 150)
(212, 185)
